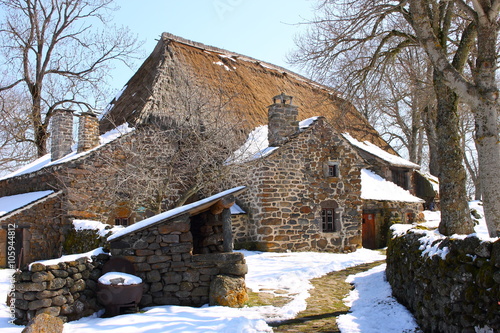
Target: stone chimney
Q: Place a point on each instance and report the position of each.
(88, 131)
(62, 133)
(282, 120)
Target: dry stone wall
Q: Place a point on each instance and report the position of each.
(66, 290)
(287, 189)
(460, 293)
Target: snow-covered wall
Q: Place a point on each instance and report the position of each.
(450, 284)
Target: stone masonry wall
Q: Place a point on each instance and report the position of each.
(460, 293)
(163, 257)
(42, 226)
(287, 188)
(66, 290)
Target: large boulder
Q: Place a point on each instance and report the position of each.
(44, 323)
(229, 291)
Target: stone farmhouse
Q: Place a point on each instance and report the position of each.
(305, 194)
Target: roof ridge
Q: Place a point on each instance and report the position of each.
(166, 36)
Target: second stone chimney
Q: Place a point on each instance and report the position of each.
(282, 120)
(88, 131)
(61, 133)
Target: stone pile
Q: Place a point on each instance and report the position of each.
(66, 290)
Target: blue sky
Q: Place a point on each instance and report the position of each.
(262, 29)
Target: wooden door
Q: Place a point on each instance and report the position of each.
(369, 236)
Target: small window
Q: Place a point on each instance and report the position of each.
(121, 221)
(333, 170)
(330, 219)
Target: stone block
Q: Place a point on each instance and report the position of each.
(56, 283)
(42, 276)
(37, 267)
(153, 276)
(60, 273)
(46, 323)
(172, 278)
(59, 300)
(228, 291)
(31, 286)
(170, 238)
(39, 303)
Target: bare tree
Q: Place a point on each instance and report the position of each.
(15, 147)
(448, 31)
(178, 154)
(54, 52)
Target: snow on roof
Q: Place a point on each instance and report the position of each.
(45, 160)
(235, 210)
(257, 144)
(374, 187)
(13, 202)
(379, 152)
(172, 213)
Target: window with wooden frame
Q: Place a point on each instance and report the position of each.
(330, 216)
(332, 169)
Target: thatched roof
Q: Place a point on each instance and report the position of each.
(250, 85)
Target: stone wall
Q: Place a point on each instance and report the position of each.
(163, 257)
(66, 290)
(42, 227)
(460, 293)
(286, 191)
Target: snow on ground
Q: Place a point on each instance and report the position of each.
(285, 274)
(373, 309)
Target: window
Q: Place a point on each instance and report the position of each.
(121, 221)
(327, 216)
(332, 169)
(330, 216)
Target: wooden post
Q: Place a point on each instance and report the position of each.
(227, 230)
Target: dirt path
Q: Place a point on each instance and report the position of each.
(325, 303)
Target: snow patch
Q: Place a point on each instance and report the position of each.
(379, 152)
(103, 229)
(119, 279)
(69, 257)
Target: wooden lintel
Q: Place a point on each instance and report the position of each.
(224, 203)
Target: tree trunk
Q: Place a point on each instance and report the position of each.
(430, 131)
(489, 166)
(486, 114)
(455, 214)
